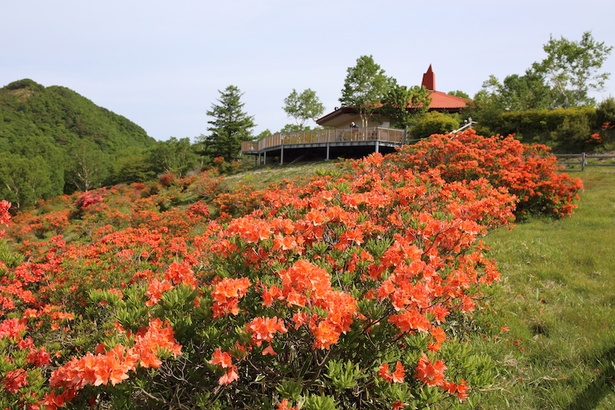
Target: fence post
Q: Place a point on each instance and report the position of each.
(583, 162)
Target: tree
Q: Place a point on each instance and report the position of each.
(403, 105)
(90, 166)
(365, 87)
(24, 180)
(459, 93)
(136, 167)
(572, 69)
(174, 156)
(519, 92)
(303, 106)
(229, 127)
(605, 112)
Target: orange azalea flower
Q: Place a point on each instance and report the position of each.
(316, 218)
(439, 336)
(249, 229)
(12, 328)
(155, 289)
(398, 405)
(15, 380)
(39, 357)
(300, 318)
(270, 294)
(222, 359)
(399, 373)
(226, 294)
(396, 377)
(460, 390)
(385, 373)
(410, 320)
(284, 243)
(285, 406)
(430, 373)
(230, 376)
(325, 335)
(181, 273)
(225, 361)
(269, 351)
(263, 329)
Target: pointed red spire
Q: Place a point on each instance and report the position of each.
(429, 80)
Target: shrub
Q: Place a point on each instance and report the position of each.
(563, 129)
(89, 198)
(434, 123)
(530, 172)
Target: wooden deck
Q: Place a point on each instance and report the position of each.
(326, 143)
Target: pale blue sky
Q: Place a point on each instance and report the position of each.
(161, 63)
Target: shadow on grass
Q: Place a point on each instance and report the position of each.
(603, 385)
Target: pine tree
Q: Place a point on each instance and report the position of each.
(229, 127)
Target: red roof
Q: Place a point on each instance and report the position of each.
(440, 100)
(443, 101)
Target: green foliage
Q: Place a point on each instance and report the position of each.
(322, 402)
(365, 87)
(303, 106)
(605, 112)
(565, 130)
(571, 69)
(398, 100)
(525, 92)
(563, 79)
(132, 168)
(24, 180)
(49, 126)
(459, 93)
(175, 156)
(343, 375)
(434, 123)
(229, 126)
(89, 167)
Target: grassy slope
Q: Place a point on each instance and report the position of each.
(557, 296)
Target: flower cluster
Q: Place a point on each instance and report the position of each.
(5, 217)
(530, 172)
(344, 289)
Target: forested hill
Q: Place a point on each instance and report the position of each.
(53, 140)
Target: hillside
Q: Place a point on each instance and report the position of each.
(53, 140)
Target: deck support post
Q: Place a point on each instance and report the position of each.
(327, 159)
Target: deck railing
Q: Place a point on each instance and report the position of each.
(324, 136)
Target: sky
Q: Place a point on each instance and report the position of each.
(162, 64)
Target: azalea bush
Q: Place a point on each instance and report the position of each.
(530, 172)
(353, 291)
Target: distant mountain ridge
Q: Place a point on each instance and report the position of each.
(53, 140)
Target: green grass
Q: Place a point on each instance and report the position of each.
(557, 297)
(262, 177)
